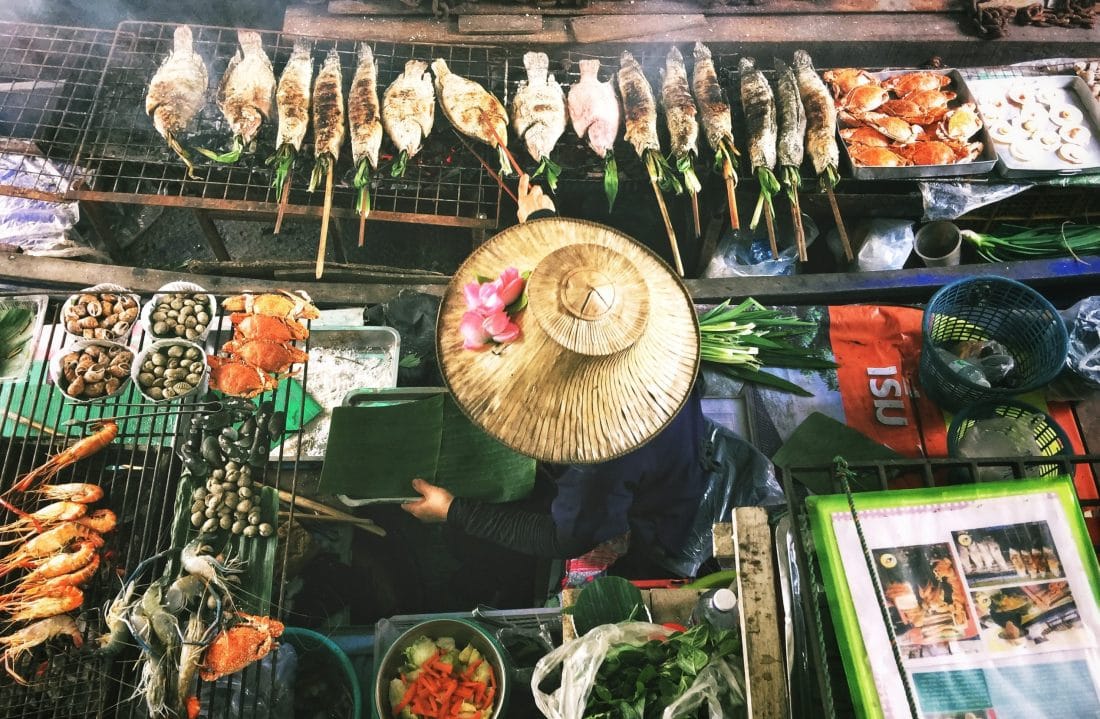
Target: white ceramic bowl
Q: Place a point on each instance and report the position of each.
(189, 287)
(101, 289)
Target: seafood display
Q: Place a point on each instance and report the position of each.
(328, 136)
(538, 114)
(913, 111)
(408, 112)
(683, 127)
(100, 315)
(264, 347)
(105, 432)
(790, 144)
(1090, 73)
(170, 370)
(472, 110)
(714, 112)
(760, 123)
(292, 103)
(185, 315)
(246, 94)
(93, 369)
(594, 114)
(176, 93)
(365, 121)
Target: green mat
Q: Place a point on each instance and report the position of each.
(374, 452)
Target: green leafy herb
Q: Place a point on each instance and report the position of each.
(686, 166)
(610, 179)
(16, 330)
(1036, 242)
(225, 158)
(362, 184)
(399, 165)
(769, 185)
(660, 172)
(607, 600)
(551, 169)
(283, 160)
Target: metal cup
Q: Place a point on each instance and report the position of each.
(938, 244)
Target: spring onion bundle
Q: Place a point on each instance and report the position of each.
(739, 341)
(1036, 242)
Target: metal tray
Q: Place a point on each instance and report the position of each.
(1073, 91)
(979, 166)
(18, 366)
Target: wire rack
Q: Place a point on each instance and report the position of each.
(821, 693)
(138, 472)
(129, 162)
(48, 79)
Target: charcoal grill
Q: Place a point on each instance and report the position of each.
(139, 472)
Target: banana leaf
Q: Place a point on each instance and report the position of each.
(608, 600)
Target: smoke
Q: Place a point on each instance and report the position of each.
(109, 13)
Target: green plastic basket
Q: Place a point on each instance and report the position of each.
(998, 309)
(1050, 437)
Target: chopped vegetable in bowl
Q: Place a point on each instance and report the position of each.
(440, 682)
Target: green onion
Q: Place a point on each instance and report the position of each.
(769, 185)
(739, 341)
(225, 158)
(398, 168)
(1036, 242)
(283, 161)
(610, 179)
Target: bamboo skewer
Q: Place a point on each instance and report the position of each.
(799, 231)
(329, 514)
(731, 200)
(695, 214)
(363, 225)
(841, 230)
(668, 227)
(325, 215)
(489, 169)
(770, 225)
(282, 204)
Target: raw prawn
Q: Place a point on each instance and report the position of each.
(39, 520)
(105, 433)
(46, 545)
(79, 492)
(114, 616)
(100, 521)
(19, 643)
(50, 587)
(197, 560)
(64, 563)
(62, 599)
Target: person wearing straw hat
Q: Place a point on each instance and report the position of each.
(589, 363)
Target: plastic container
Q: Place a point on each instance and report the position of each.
(186, 287)
(1048, 437)
(135, 369)
(990, 308)
(718, 608)
(938, 244)
(17, 367)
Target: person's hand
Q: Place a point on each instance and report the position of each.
(530, 199)
(434, 504)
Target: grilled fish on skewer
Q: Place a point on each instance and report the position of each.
(408, 112)
(365, 120)
(328, 136)
(640, 111)
(820, 119)
(790, 145)
(292, 102)
(176, 93)
(538, 114)
(473, 110)
(714, 112)
(594, 112)
(245, 94)
(759, 104)
(683, 127)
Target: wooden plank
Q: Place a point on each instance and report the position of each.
(723, 545)
(499, 24)
(268, 269)
(671, 605)
(608, 28)
(766, 692)
(658, 7)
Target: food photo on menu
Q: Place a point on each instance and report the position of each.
(992, 556)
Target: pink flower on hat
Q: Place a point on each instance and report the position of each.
(474, 336)
(501, 328)
(488, 319)
(511, 285)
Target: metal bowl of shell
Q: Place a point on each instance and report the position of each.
(91, 370)
(103, 312)
(168, 370)
(180, 310)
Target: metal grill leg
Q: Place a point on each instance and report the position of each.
(211, 235)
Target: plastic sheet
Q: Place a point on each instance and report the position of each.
(746, 252)
(951, 200)
(719, 685)
(886, 246)
(36, 226)
(1084, 340)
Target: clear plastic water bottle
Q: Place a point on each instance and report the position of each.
(967, 370)
(718, 608)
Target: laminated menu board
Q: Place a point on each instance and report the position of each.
(991, 590)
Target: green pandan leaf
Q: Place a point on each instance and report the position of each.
(610, 179)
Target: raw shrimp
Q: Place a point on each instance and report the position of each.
(114, 616)
(106, 431)
(19, 643)
(79, 492)
(63, 599)
(100, 521)
(28, 590)
(46, 545)
(195, 640)
(64, 563)
(197, 560)
(39, 520)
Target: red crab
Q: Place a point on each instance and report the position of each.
(266, 327)
(268, 356)
(237, 378)
(250, 639)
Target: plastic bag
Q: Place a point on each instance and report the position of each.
(254, 693)
(952, 200)
(413, 315)
(748, 252)
(581, 659)
(36, 226)
(1084, 340)
(887, 245)
(738, 475)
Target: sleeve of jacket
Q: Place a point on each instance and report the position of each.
(523, 531)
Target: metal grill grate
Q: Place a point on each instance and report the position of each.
(138, 472)
(48, 79)
(129, 161)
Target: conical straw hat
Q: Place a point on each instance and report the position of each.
(609, 347)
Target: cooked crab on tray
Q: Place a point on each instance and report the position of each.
(908, 119)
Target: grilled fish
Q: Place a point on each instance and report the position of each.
(247, 90)
(792, 118)
(820, 118)
(759, 104)
(328, 108)
(364, 117)
(408, 111)
(473, 110)
(292, 97)
(176, 92)
(594, 109)
(714, 111)
(638, 105)
(679, 106)
(538, 113)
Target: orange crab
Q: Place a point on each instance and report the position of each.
(907, 110)
(266, 327)
(845, 79)
(284, 304)
(865, 136)
(902, 85)
(268, 356)
(935, 152)
(237, 378)
(861, 100)
(932, 103)
(248, 640)
(961, 124)
(876, 156)
(895, 128)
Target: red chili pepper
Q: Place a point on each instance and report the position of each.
(470, 669)
(674, 627)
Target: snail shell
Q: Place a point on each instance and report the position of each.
(95, 309)
(95, 373)
(96, 389)
(99, 333)
(75, 388)
(73, 326)
(112, 384)
(119, 369)
(121, 328)
(88, 323)
(128, 315)
(86, 298)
